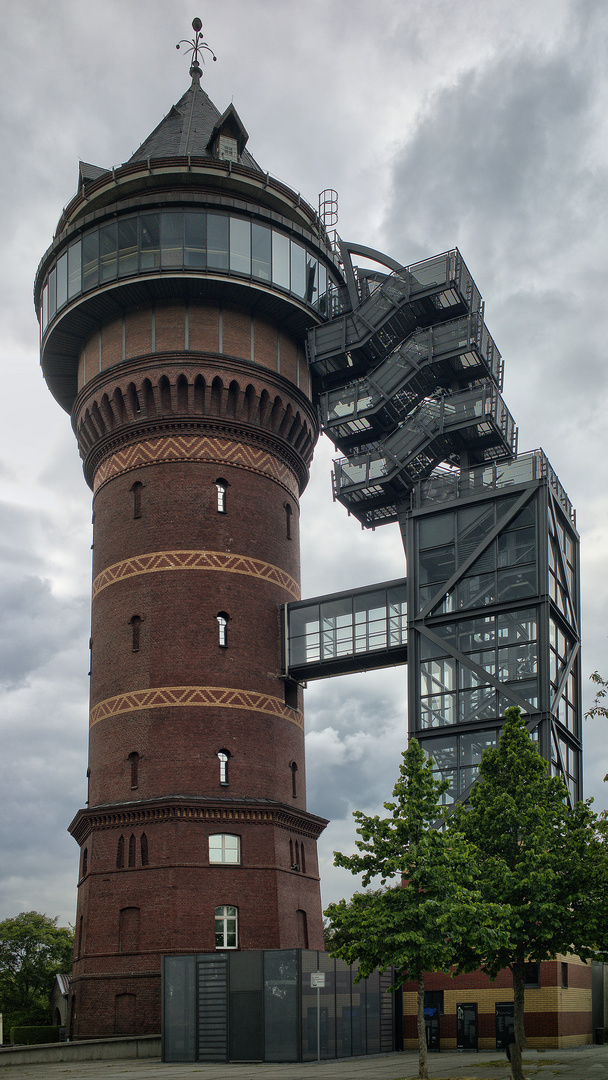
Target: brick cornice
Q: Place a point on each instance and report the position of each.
(102, 428)
(203, 811)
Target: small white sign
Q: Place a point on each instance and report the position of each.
(317, 979)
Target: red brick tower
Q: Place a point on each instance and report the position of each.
(174, 303)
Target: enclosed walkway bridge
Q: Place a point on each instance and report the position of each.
(344, 632)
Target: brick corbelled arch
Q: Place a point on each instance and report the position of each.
(216, 394)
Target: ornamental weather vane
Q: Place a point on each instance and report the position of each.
(196, 46)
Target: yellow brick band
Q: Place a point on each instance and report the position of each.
(159, 561)
(203, 448)
(215, 697)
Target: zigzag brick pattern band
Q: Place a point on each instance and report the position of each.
(195, 448)
(222, 697)
(157, 561)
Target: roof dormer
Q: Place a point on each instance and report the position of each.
(229, 137)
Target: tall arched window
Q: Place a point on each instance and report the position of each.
(226, 927)
(120, 853)
(222, 622)
(132, 850)
(222, 487)
(223, 758)
(143, 846)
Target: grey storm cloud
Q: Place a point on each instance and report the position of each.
(440, 125)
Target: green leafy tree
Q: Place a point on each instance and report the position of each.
(429, 907)
(33, 949)
(544, 863)
(598, 707)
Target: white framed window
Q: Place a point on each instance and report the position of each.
(222, 623)
(226, 927)
(223, 758)
(222, 488)
(224, 848)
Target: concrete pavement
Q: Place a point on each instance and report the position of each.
(584, 1063)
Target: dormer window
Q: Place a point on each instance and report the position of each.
(227, 149)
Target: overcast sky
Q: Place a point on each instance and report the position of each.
(480, 124)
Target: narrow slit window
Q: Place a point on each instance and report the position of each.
(85, 862)
(120, 853)
(222, 624)
(134, 763)
(143, 847)
(223, 758)
(132, 850)
(288, 513)
(294, 782)
(222, 487)
(136, 490)
(302, 859)
(135, 624)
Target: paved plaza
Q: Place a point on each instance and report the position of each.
(585, 1063)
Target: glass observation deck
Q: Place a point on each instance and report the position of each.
(345, 632)
(420, 295)
(475, 420)
(189, 241)
(460, 351)
(446, 485)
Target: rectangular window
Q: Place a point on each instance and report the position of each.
(52, 293)
(108, 251)
(195, 236)
(127, 246)
(280, 259)
(171, 239)
(90, 260)
(240, 246)
(217, 241)
(150, 242)
(260, 251)
(312, 279)
(224, 848)
(531, 974)
(62, 280)
(298, 270)
(226, 926)
(74, 269)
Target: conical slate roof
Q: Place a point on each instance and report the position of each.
(191, 127)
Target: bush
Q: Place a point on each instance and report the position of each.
(31, 1036)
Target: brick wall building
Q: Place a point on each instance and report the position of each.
(174, 303)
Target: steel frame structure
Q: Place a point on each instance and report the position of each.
(407, 383)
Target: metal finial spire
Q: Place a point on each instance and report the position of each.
(196, 46)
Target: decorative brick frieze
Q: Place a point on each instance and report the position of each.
(215, 697)
(157, 562)
(199, 448)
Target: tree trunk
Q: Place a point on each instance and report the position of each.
(519, 1035)
(423, 1072)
